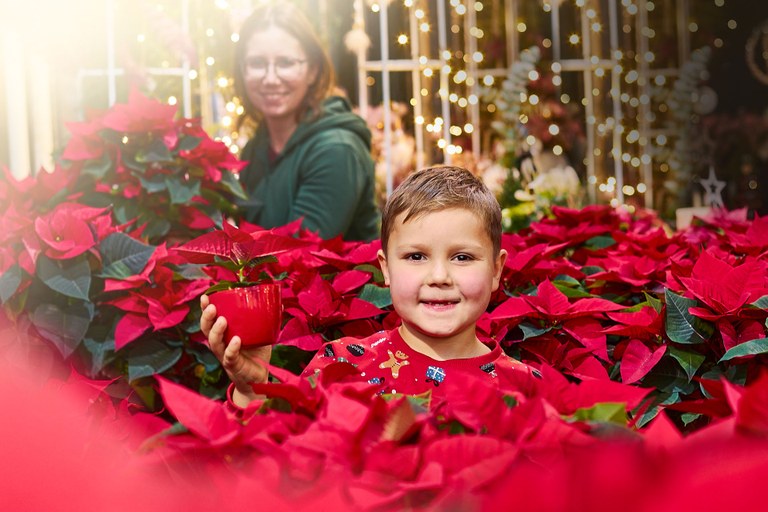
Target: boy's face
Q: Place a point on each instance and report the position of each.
(441, 271)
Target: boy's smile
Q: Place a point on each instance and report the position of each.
(441, 270)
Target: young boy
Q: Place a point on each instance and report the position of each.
(441, 257)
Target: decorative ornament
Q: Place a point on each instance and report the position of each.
(706, 100)
(357, 41)
(712, 190)
(757, 60)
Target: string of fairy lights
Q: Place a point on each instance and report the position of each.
(613, 55)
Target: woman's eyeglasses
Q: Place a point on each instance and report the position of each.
(286, 68)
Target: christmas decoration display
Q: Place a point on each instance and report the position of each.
(649, 345)
(636, 333)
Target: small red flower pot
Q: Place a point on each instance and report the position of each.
(253, 313)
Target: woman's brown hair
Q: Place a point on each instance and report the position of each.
(285, 16)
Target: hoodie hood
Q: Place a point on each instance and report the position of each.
(336, 113)
(331, 152)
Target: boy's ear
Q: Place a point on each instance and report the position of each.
(501, 259)
(383, 263)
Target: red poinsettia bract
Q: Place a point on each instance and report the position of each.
(161, 303)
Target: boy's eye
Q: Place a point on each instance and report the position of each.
(463, 257)
(415, 257)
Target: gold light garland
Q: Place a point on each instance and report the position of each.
(759, 35)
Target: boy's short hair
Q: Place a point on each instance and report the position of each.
(439, 188)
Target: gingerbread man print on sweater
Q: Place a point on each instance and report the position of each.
(394, 362)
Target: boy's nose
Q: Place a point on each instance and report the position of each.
(438, 274)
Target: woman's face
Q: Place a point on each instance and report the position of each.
(277, 74)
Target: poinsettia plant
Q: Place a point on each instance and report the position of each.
(157, 172)
(84, 248)
(603, 293)
(336, 441)
(104, 258)
(238, 254)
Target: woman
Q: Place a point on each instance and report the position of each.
(310, 156)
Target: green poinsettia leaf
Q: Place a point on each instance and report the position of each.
(101, 351)
(689, 361)
(748, 348)
(123, 256)
(156, 152)
(588, 270)
(156, 228)
(216, 215)
(232, 184)
(570, 291)
(379, 296)
(188, 143)
(191, 272)
(182, 191)
(221, 285)
(154, 184)
(510, 401)
(653, 405)
(9, 282)
(204, 356)
(668, 376)
(635, 308)
(681, 326)
(98, 168)
(567, 280)
(64, 327)
(72, 280)
(530, 331)
(129, 160)
(375, 271)
(123, 212)
(260, 260)
(761, 303)
(653, 302)
(61, 195)
(292, 359)
(150, 357)
(689, 417)
(609, 412)
(734, 373)
(600, 242)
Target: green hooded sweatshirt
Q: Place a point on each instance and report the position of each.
(325, 174)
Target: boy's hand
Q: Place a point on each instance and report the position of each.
(243, 366)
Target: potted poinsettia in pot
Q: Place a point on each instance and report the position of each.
(248, 297)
